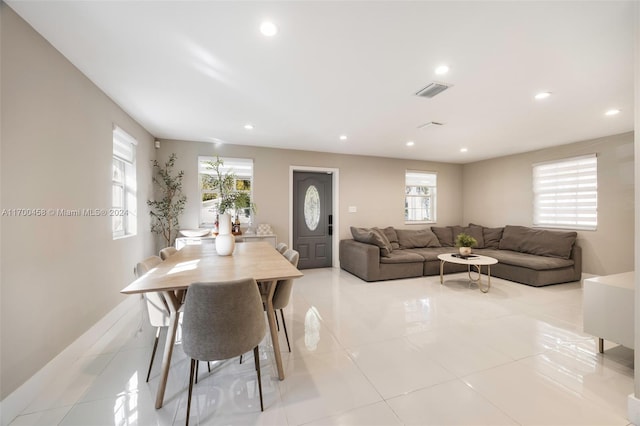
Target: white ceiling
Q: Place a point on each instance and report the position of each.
(201, 70)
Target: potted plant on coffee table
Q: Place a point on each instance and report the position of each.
(465, 242)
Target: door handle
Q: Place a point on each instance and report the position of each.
(330, 229)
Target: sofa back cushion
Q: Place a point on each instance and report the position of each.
(392, 236)
(492, 237)
(538, 241)
(410, 238)
(373, 236)
(444, 234)
(473, 230)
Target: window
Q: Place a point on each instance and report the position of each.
(565, 193)
(124, 200)
(242, 168)
(420, 197)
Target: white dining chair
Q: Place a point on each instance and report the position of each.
(157, 309)
(167, 252)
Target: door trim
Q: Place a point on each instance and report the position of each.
(335, 240)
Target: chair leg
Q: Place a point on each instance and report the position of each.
(153, 353)
(192, 372)
(197, 368)
(256, 357)
(209, 366)
(284, 325)
(241, 358)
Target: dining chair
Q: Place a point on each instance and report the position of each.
(283, 290)
(222, 320)
(282, 247)
(157, 309)
(167, 252)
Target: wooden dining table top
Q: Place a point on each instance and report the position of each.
(201, 263)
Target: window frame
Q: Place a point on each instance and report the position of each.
(583, 179)
(124, 153)
(228, 167)
(433, 196)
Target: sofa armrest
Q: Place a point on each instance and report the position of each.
(576, 256)
(362, 260)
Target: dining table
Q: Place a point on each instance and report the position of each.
(201, 263)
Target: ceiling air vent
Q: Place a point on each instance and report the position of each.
(429, 124)
(432, 89)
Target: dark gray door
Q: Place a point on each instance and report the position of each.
(312, 218)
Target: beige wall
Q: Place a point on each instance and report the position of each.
(498, 192)
(374, 185)
(59, 275)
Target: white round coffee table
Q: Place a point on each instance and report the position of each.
(474, 260)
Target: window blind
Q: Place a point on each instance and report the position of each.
(123, 145)
(566, 193)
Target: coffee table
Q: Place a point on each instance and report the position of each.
(476, 261)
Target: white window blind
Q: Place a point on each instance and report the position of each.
(123, 185)
(566, 193)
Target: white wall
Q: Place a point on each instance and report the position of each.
(374, 185)
(498, 192)
(59, 275)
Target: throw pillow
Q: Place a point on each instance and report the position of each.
(417, 238)
(444, 234)
(391, 235)
(374, 237)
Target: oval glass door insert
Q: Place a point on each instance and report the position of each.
(312, 208)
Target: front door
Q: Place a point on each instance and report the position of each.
(312, 218)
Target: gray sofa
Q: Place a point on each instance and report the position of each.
(525, 255)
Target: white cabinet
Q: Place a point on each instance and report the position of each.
(183, 241)
(608, 308)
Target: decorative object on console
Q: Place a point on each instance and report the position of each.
(465, 242)
(203, 232)
(264, 229)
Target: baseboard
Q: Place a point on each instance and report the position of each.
(16, 402)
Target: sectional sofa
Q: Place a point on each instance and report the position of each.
(525, 255)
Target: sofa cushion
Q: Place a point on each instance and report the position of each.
(491, 236)
(475, 231)
(410, 238)
(538, 241)
(392, 236)
(430, 254)
(372, 236)
(525, 260)
(444, 234)
(402, 256)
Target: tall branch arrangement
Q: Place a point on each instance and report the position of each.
(165, 212)
(224, 184)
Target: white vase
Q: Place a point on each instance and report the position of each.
(225, 241)
(465, 251)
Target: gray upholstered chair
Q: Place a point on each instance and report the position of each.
(283, 290)
(221, 321)
(167, 251)
(157, 309)
(282, 247)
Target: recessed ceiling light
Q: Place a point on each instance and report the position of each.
(343, 137)
(268, 29)
(612, 112)
(463, 149)
(410, 143)
(248, 126)
(542, 95)
(442, 69)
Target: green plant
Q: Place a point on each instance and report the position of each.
(166, 211)
(225, 184)
(465, 240)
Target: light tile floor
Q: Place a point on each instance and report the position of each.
(410, 352)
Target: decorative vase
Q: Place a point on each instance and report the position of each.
(225, 241)
(465, 251)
